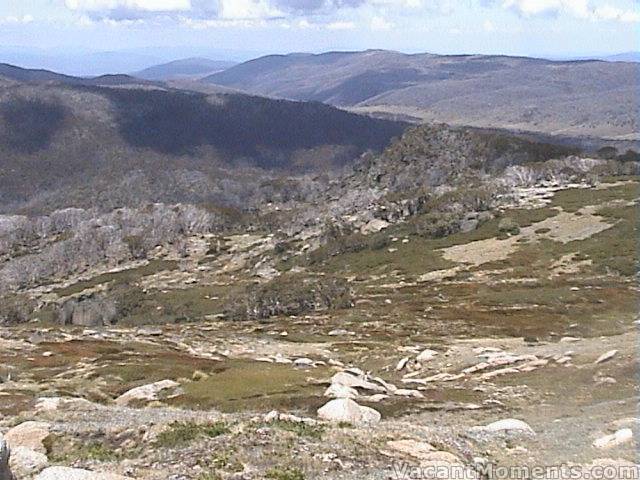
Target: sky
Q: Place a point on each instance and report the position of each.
(239, 29)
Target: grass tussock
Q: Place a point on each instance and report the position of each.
(183, 433)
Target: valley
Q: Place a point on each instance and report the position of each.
(200, 285)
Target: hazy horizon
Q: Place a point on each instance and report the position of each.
(67, 35)
(125, 61)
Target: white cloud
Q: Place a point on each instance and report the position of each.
(608, 12)
(143, 5)
(247, 9)
(583, 9)
(488, 26)
(14, 20)
(381, 23)
(341, 26)
(339, 14)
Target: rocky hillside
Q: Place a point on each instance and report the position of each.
(109, 146)
(577, 98)
(435, 180)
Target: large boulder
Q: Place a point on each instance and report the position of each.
(66, 473)
(337, 390)
(508, 426)
(346, 410)
(25, 462)
(5, 454)
(621, 437)
(149, 393)
(30, 435)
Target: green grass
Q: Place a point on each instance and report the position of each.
(422, 255)
(209, 476)
(299, 428)
(181, 305)
(280, 473)
(183, 433)
(244, 384)
(151, 365)
(574, 199)
(122, 277)
(615, 249)
(91, 451)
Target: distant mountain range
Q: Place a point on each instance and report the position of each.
(81, 62)
(585, 97)
(623, 57)
(11, 72)
(188, 68)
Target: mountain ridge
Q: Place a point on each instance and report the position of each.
(581, 97)
(193, 67)
(111, 144)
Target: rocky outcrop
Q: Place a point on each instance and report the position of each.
(291, 295)
(88, 312)
(68, 241)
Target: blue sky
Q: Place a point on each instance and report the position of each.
(525, 27)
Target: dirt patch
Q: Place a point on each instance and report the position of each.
(564, 227)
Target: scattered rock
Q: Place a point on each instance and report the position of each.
(403, 392)
(510, 425)
(426, 355)
(374, 226)
(377, 398)
(30, 435)
(66, 473)
(353, 381)
(25, 462)
(620, 437)
(52, 404)
(604, 380)
(444, 377)
(304, 362)
(149, 331)
(499, 373)
(279, 358)
(274, 416)
(569, 339)
(337, 390)
(346, 410)
(402, 364)
(563, 360)
(414, 448)
(605, 357)
(340, 332)
(149, 393)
